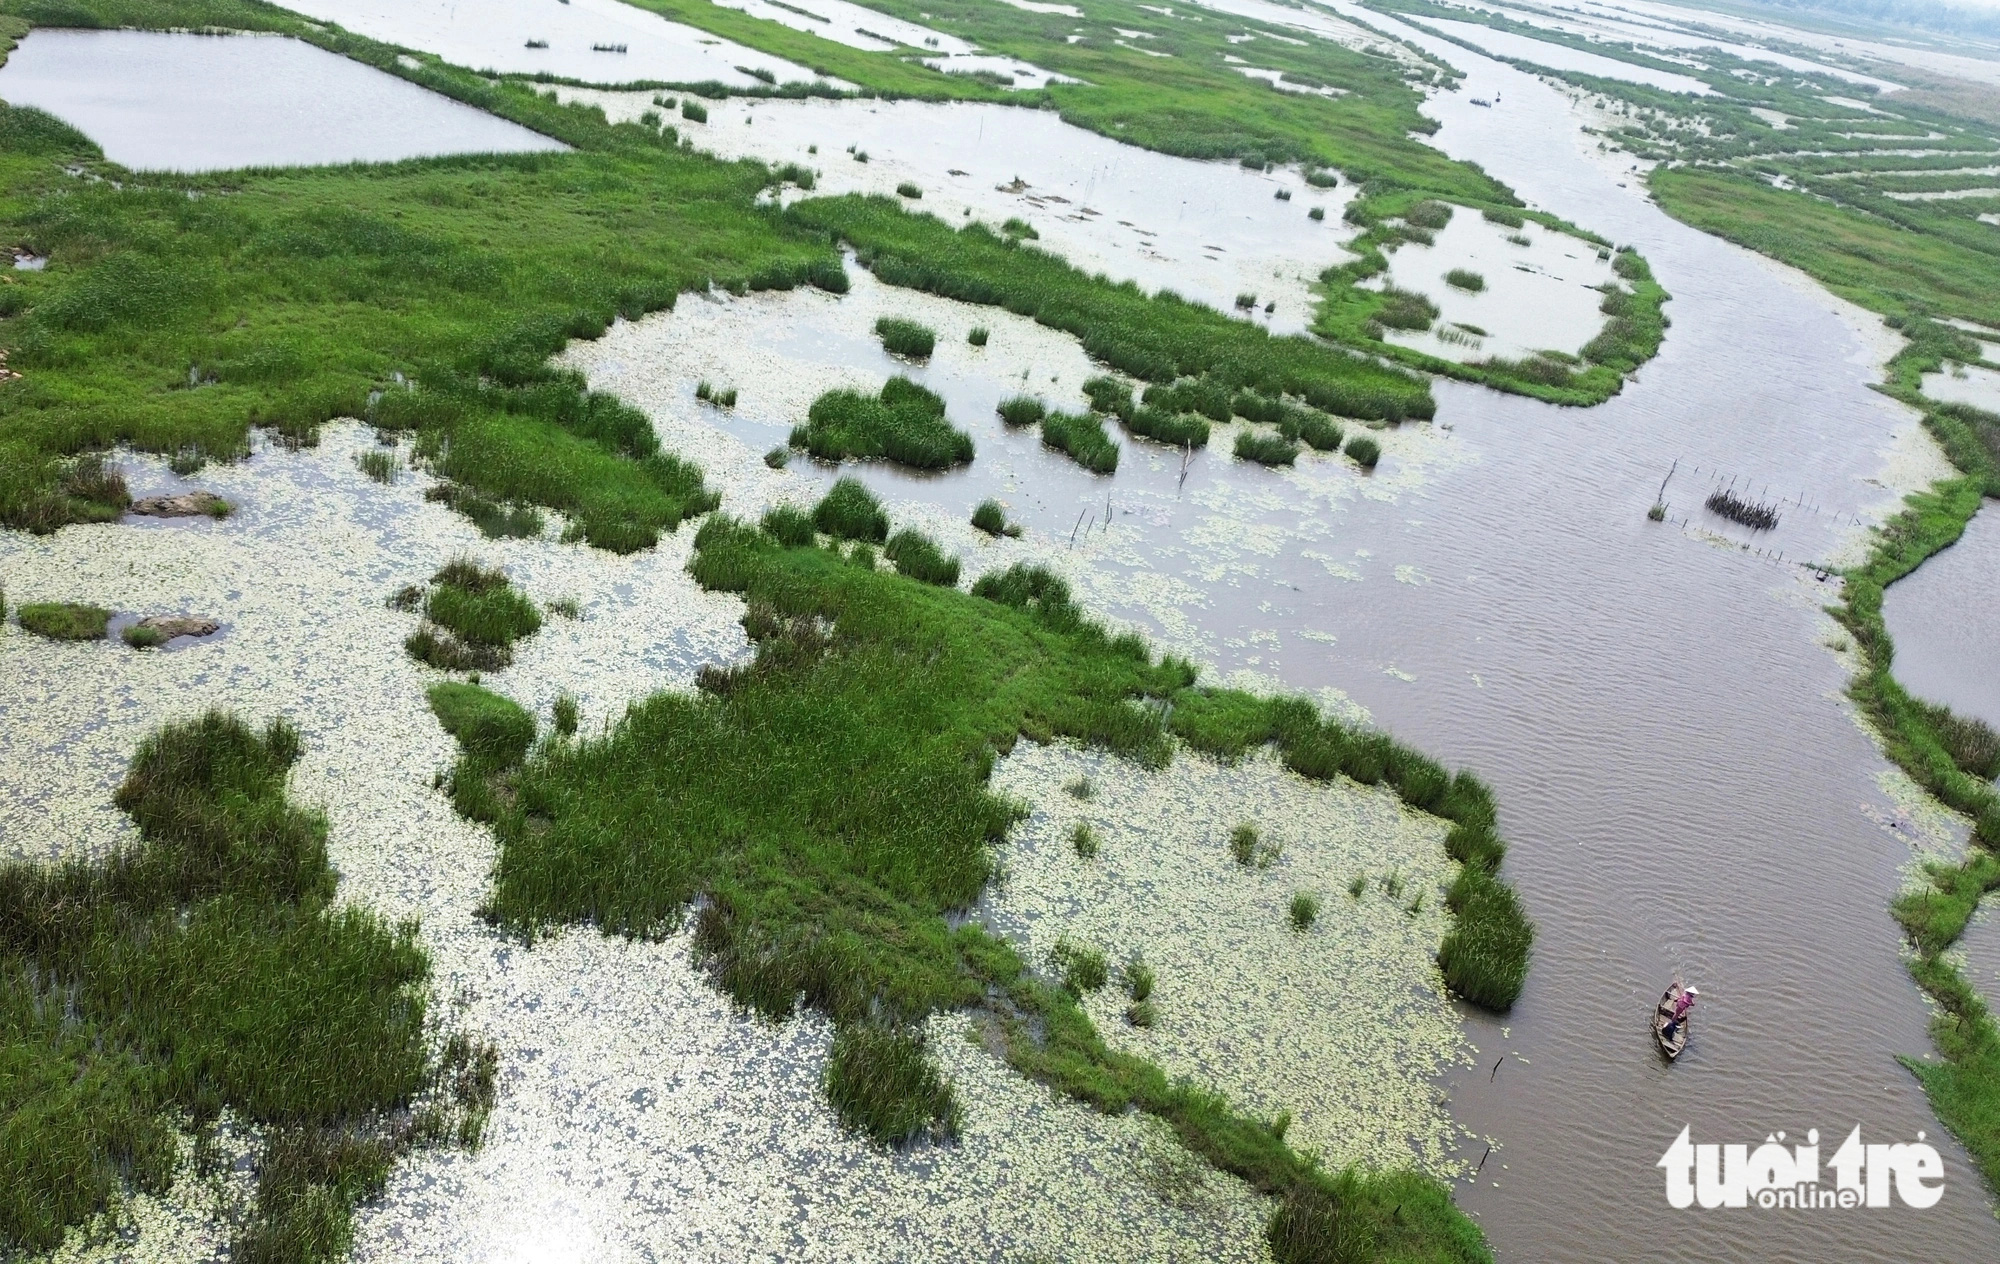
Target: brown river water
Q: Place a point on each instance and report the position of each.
(1684, 786)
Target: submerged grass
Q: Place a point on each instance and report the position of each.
(207, 969)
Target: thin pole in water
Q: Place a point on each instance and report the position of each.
(1072, 530)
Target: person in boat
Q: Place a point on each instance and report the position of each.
(1682, 1004)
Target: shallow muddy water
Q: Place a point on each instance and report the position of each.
(1540, 296)
(1562, 57)
(591, 41)
(176, 102)
(1965, 384)
(1210, 231)
(1675, 42)
(1945, 621)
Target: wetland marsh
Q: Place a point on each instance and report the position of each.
(1167, 835)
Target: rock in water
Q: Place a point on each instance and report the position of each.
(170, 626)
(185, 505)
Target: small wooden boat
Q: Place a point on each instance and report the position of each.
(1671, 1048)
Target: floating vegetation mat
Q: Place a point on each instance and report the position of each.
(638, 1113)
(1344, 1026)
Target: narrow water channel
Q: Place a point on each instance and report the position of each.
(1682, 782)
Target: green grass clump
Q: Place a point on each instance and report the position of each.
(1304, 910)
(978, 336)
(1405, 309)
(909, 190)
(778, 458)
(1356, 887)
(1109, 395)
(472, 617)
(1081, 437)
(493, 729)
(918, 556)
(1142, 1014)
(906, 337)
(1083, 840)
(478, 604)
(141, 637)
(1181, 430)
(1018, 228)
(883, 1084)
(1080, 967)
(1080, 788)
(566, 608)
(789, 525)
(693, 111)
(1243, 843)
(1138, 978)
(991, 518)
(1465, 279)
(1428, 214)
(1485, 954)
(64, 620)
(1318, 430)
(904, 423)
(204, 969)
(1022, 410)
(1265, 449)
(1316, 213)
(850, 512)
(1503, 216)
(566, 715)
(1365, 451)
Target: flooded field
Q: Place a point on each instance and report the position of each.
(1965, 384)
(1529, 289)
(1210, 231)
(592, 41)
(1945, 620)
(1659, 706)
(155, 101)
(1559, 57)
